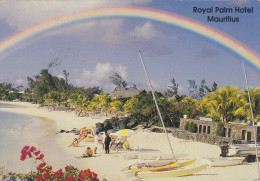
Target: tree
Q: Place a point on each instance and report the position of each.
(66, 75)
(101, 102)
(52, 98)
(199, 93)
(5, 89)
(193, 89)
(131, 105)
(116, 106)
(41, 84)
(173, 91)
(220, 129)
(202, 89)
(81, 104)
(213, 88)
(118, 80)
(192, 127)
(186, 126)
(244, 107)
(223, 103)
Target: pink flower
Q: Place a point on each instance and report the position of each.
(94, 175)
(23, 157)
(41, 166)
(37, 153)
(40, 157)
(59, 173)
(46, 176)
(39, 178)
(70, 178)
(32, 149)
(67, 168)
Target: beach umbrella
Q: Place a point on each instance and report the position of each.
(124, 132)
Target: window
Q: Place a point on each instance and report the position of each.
(225, 132)
(229, 132)
(208, 131)
(248, 136)
(204, 128)
(243, 134)
(200, 129)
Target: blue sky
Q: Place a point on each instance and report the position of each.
(91, 51)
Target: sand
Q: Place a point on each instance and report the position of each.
(112, 166)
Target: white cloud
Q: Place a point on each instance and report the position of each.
(100, 76)
(145, 31)
(20, 81)
(23, 13)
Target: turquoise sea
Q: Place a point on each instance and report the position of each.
(16, 131)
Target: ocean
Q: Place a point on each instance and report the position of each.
(16, 131)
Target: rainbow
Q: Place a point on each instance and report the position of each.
(169, 18)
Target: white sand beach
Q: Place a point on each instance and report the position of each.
(111, 166)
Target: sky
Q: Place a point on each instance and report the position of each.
(93, 50)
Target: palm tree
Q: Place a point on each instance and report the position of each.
(81, 104)
(244, 109)
(223, 102)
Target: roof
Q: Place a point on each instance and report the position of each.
(121, 92)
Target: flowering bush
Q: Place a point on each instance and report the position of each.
(45, 172)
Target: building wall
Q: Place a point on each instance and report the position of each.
(233, 131)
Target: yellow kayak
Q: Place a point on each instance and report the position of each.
(165, 165)
(172, 173)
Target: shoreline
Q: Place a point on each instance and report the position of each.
(109, 166)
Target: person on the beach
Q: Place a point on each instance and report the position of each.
(88, 153)
(74, 143)
(82, 136)
(103, 140)
(121, 142)
(107, 142)
(96, 142)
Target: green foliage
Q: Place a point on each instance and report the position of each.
(118, 81)
(186, 126)
(7, 92)
(220, 129)
(173, 89)
(192, 127)
(244, 110)
(197, 92)
(142, 107)
(223, 103)
(216, 119)
(45, 172)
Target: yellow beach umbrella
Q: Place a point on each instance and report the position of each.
(125, 132)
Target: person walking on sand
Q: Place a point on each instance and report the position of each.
(96, 142)
(107, 142)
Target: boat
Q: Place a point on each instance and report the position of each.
(242, 150)
(159, 156)
(180, 171)
(160, 165)
(172, 173)
(223, 162)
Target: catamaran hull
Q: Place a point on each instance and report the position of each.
(173, 173)
(222, 162)
(170, 166)
(159, 156)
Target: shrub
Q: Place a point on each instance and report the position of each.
(192, 127)
(45, 172)
(220, 129)
(186, 126)
(216, 119)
